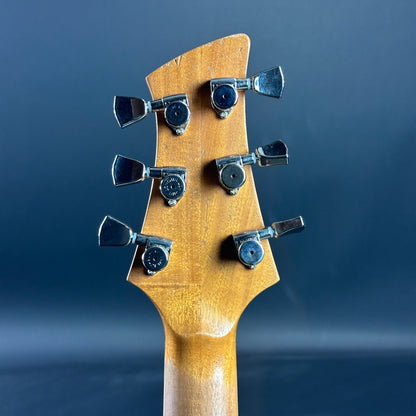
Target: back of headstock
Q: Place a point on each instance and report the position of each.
(203, 280)
(204, 288)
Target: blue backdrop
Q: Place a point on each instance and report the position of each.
(347, 283)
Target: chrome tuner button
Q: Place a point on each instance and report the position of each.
(249, 249)
(113, 232)
(129, 110)
(231, 171)
(126, 171)
(224, 91)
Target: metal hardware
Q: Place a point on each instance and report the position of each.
(129, 110)
(224, 95)
(113, 232)
(230, 169)
(249, 249)
(172, 186)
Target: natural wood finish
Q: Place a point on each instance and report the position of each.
(204, 289)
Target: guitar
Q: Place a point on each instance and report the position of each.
(202, 254)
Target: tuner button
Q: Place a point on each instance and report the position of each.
(126, 171)
(129, 110)
(294, 225)
(251, 253)
(233, 176)
(113, 232)
(172, 188)
(270, 82)
(154, 259)
(273, 154)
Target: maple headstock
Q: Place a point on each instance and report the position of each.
(204, 288)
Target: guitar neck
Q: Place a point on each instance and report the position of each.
(200, 375)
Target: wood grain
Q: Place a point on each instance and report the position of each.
(204, 289)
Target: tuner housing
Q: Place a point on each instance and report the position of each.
(156, 253)
(249, 249)
(231, 172)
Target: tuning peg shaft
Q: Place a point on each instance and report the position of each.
(224, 95)
(126, 171)
(129, 110)
(230, 169)
(113, 232)
(249, 249)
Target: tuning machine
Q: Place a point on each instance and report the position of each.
(129, 110)
(224, 95)
(156, 253)
(231, 173)
(249, 249)
(172, 186)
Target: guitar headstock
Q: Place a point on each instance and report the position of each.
(204, 288)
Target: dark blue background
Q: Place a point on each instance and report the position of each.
(337, 335)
